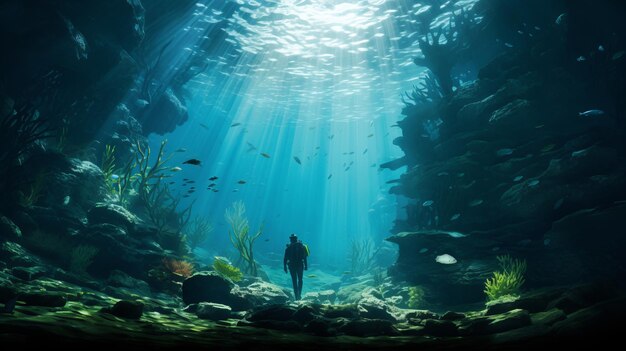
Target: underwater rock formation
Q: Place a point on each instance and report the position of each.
(515, 168)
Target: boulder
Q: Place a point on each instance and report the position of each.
(8, 290)
(436, 327)
(373, 308)
(213, 311)
(510, 320)
(118, 278)
(9, 230)
(126, 309)
(207, 287)
(604, 319)
(106, 213)
(452, 316)
(532, 301)
(262, 293)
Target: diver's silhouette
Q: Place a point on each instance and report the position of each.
(296, 258)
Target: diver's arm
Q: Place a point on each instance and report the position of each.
(306, 264)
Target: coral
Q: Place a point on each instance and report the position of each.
(82, 257)
(227, 270)
(240, 236)
(508, 281)
(179, 267)
(198, 231)
(416, 296)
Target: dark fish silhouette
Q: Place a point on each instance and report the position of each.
(212, 185)
(371, 135)
(297, 160)
(235, 124)
(330, 176)
(364, 151)
(241, 182)
(265, 155)
(193, 161)
(204, 126)
(213, 178)
(250, 147)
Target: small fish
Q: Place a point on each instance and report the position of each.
(190, 191)
(518, 178)
(193, 161)
(364, 151)
(600, 48)
(235, 124)
(504, 152)
(561, 19)
(182, 149)
(445, 259)
(215, 190)
(170, 183)
(115, 177)
(250, 147)
(176, 169)
(212, 185)
(455, 216)
(533, 183)
(331, 137)
(581, 58)
(297, 159)
(591, 113)
(371, 135)
(265, 155)
(185, 195)
(579, 153)
(428, 203)
(423, 250)
(266, 240)
(235, 190)
(241, 182)
(204, 126)
(475, 202)
(508, 45)
(213, 178)
(558, 203)
(66, 200)
(346, 273)
(329, 176)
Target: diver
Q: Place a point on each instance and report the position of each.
(296, 257)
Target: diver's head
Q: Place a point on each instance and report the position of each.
(293, 238)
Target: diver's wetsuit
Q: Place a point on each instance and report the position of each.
(295, 258)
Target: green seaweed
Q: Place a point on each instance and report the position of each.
(197, 231)
(416, 296)
(508, 280)
(241, 238)
(227, 270)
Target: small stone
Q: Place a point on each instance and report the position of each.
(103, 213)
(213, 311)
(126, 309)
(508, 321)
(207, 287)
(437, 327)
(548, 317)
(452, 316)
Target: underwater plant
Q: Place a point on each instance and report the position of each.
(227, 270)
(416, 296)
(240, 236)
(179, 267)
(33, 191)
(82, 257)
(108, 167)
(362, 256)
(508, 281)
(20, 128)
(198, 231)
